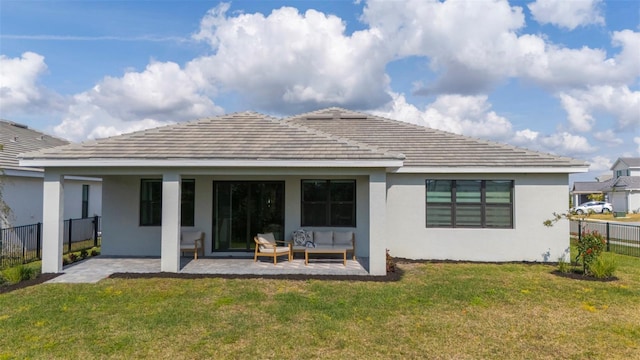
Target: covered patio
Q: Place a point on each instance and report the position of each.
(95, 269)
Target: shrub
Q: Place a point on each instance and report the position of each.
(14, 275)
(95, 252)
(73, 258)
(84, 254)
(590, 245)
(65, 260)
(391, 264)
(563, 266)
(604, 267)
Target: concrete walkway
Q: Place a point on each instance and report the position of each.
(95, 269)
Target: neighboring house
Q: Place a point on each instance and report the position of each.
(621, 188)
(419, 192)
(22, 186)
(582, 189)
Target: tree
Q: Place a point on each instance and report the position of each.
(596, 197)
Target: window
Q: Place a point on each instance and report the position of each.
(469, 203)
(624, 172)
(151, 202)
(85, 201)
(329, 203)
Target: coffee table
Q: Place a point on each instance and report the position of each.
(320, 250)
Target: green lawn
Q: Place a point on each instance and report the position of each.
(437, 310)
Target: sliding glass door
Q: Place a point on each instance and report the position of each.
(241, 209)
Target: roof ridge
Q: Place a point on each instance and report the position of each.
(359, 144)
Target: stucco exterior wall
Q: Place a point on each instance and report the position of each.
(122, 235)
(24, 197)
(634, 201)
(536, 197)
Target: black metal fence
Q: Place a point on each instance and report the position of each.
(621, 238)
(23, 244)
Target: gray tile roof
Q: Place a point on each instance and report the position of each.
(426, 147)
(625, 182)
(238, 136)
(330, 134)
(631, 161)
(589, 186)
(16, 138)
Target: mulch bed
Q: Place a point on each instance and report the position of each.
(578, 275)
(391, 276)
(23, 284)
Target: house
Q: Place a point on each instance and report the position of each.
(22, 186)
(582, 189)
(623, 189)
(419, 192)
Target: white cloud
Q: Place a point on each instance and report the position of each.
(600, 163)
(567, 143)
(608, 137)
(289, 61)
(163, 93)
(475, 45)
(620, 102)
(637, 141)
(19, 81)
(567, 14)
(467, 115)
(468, 42)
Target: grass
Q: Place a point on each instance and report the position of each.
(610, 217)
(437, 310)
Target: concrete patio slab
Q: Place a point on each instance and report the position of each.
(95, 269)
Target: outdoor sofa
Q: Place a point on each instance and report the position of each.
(318, 240)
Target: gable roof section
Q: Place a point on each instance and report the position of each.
(630, 162)
(624, 183)
(239, 139)
(16, 138)
(429, 148)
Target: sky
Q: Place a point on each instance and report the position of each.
(558, 76)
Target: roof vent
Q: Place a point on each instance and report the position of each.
(18, 125)
(15, 139)
(320, 117)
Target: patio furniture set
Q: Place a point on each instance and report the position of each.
(307, 242)
(315, 242)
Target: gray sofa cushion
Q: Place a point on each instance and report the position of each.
(323, 238)
(342, 238)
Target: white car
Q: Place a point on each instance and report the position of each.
(593, 206)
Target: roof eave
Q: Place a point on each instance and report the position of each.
(173, 163)
(492, 169)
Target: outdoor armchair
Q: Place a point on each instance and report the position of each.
(266, 245)
(192, 241)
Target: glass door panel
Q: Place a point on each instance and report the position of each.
(244, 208)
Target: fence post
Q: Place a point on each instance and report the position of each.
(579, 230)
(608, 249)
(95, 231)
(70, 228)
(39, 240)
(24, 245)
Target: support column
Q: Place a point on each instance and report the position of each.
(170, 249)
(377, 223)
(52, 222)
